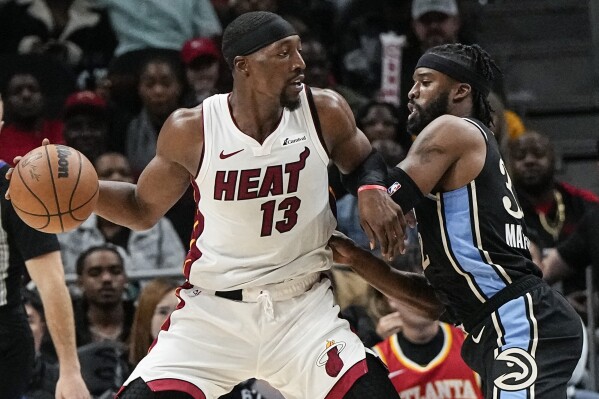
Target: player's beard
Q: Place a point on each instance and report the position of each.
(424, 116)
(290, 103)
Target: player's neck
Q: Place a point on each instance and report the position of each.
(256, 117)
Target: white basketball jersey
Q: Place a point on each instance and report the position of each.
(263, 209)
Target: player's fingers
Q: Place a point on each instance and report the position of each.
(16, 160)
(399, 234)
(384, 237)
(370, 234)
(45, 141)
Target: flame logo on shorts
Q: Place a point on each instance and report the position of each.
(330, 358)
(520, 370)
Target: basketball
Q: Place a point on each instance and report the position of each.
(54, 188)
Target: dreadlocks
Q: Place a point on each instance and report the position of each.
(478, 60)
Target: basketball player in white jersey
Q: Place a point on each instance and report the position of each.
(256, 303)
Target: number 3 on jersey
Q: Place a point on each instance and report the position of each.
(507, 202)
(289, 206)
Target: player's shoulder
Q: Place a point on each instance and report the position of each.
(457, 130)
(186, 118)
(327, 100)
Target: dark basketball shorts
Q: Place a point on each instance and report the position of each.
(16, 353)
(528, 348)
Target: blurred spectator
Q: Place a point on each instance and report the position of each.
(85, 118)
(155, 303)
(160, 88)
(45, 374)
(507, 125)
(318, 73)
(577, 251)
(358, 40)
(159, 24)
(364, 320)
(552, 209)
(101, 314)
(424, 358)
(156, 248)
(26, 125)
(202, 59)
(69, 30)
(434, 22)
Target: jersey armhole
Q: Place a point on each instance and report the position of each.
(316, 120)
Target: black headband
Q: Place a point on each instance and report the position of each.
(267, 33)
(456, 71)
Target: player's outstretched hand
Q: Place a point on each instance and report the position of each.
(71, 386)
(383, 221)
(15, 162)
(344, 248)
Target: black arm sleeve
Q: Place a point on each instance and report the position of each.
(372, 171)
(403, 190)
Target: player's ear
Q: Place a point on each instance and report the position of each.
(240, 64)
(461, 92)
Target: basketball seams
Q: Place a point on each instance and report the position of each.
(47, 215)
(54, 186)
(71, 210)
(33, 197)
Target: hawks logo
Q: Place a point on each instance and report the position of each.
(518, 370)
(329, 358)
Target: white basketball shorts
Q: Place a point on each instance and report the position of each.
(299, 345)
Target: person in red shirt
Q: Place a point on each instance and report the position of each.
(424, 359)
(26, 125)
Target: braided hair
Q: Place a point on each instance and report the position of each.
(477, 59)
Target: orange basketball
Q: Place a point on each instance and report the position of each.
(54, 188)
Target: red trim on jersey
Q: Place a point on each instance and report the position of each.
(201, 156)
(198, 227)
(171, 384)
(347, 380)
(167, 323)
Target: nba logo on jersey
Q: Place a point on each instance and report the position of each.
(393, 188)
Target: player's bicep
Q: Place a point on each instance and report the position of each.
(347, 145)
(435, 152)
(426, 164)
(178, 151)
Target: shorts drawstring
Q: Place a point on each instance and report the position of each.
(266, 301)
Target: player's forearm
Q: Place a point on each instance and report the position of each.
(117, 202)
(58, 311)
(47, 273)
(411, 288)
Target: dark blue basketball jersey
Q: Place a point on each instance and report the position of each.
(473, 239)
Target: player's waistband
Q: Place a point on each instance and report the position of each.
(512, 291)
(278, 292)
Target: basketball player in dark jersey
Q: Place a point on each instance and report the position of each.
(524, 338)
(22, 247)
